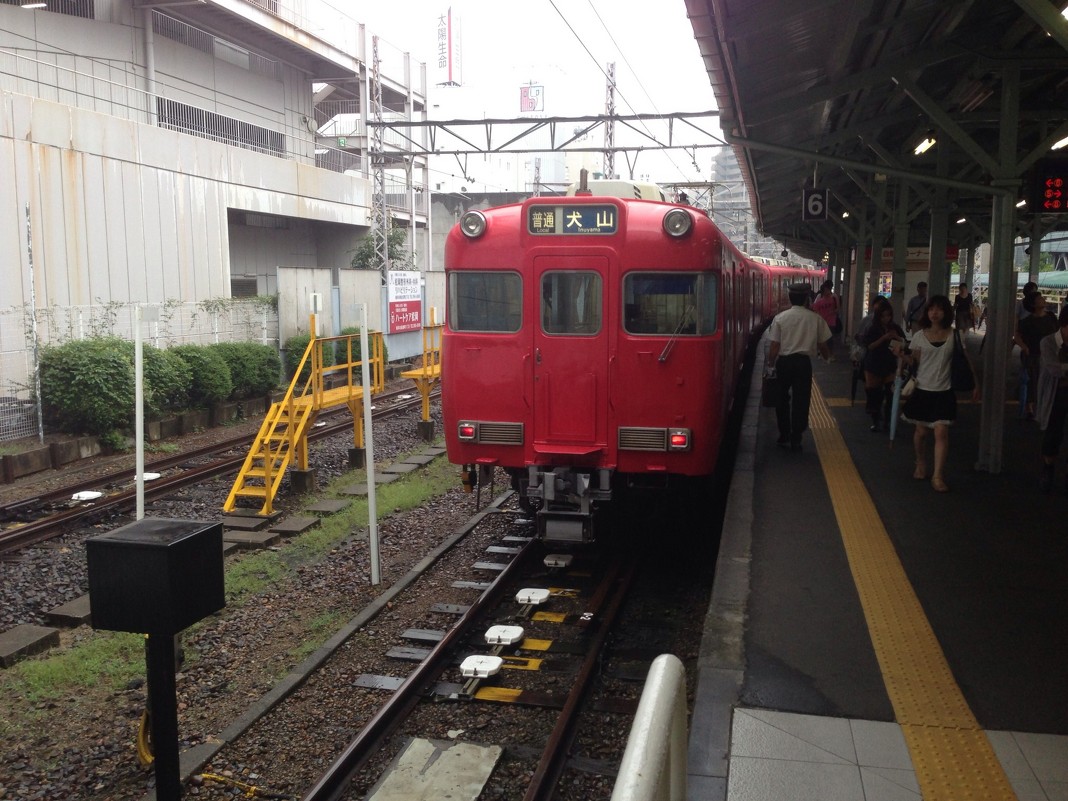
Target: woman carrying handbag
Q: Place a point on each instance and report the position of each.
(933, 404)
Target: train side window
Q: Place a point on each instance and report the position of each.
(571, 303)
(663, 304)
(485, 301)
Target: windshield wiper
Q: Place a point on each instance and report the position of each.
(675, 334)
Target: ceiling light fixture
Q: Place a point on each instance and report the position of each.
(962, 220)
(1060, 144)
(35, 5)
(925, 145)
(1021, 204)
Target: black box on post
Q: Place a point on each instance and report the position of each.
(155, 576)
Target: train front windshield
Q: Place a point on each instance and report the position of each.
(485, 301)
(666, 304)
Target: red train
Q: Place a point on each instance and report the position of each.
(594, 342)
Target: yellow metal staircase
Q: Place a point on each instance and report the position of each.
(283, 436)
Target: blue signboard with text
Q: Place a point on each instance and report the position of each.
(573, 219)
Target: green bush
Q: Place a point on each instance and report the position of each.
(167, 378)
(342, 351)
(211, 382)
(254, 368)
(170, 379)
(87, 386)
(295, 347)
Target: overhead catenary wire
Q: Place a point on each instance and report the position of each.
(602, 70)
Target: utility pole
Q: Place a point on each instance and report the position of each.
(379, 218)
(610, 124)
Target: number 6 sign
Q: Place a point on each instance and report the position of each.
(815, 205)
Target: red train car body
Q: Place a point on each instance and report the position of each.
(594, 342)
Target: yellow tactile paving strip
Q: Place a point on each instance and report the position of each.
(951, 755)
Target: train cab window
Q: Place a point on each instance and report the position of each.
(485, 301)
(663, 304)
(571, 303)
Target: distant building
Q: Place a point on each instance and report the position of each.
(189, 151)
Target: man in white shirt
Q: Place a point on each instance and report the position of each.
(795, 336)
(914, 311)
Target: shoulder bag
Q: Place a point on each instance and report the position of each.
(961, 377)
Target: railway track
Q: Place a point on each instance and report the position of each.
(598, 614)
(552, 685)
(35, 520)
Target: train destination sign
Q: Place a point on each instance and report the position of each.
(573, 219)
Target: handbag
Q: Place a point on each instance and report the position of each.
(961, 377)
(769, 392)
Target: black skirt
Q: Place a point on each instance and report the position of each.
(926, 408)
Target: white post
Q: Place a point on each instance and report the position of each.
(369, 441)
(149, 315)
(139, 414)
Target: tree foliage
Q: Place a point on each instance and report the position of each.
(365, 256)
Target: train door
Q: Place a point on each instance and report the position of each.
(570, 354)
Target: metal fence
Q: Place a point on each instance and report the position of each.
(179, 323)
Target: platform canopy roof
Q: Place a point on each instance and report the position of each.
(836, 95)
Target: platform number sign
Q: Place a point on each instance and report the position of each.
(1049, 190)
(815, 205)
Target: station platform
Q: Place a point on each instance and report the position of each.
(870, 638)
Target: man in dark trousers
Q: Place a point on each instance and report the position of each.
(795, 336)
(914, 311)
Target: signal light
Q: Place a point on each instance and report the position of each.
(466, 431)
(679, 439)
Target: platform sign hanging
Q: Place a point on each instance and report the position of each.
(814, 206)
(1049, 187)
(404, 298)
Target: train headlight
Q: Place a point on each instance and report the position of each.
(473, 224)
(678, 439)
(466, 431)
(678, 222)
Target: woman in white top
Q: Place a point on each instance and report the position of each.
(933, 405)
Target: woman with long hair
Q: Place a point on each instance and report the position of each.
(881, 340)
(933, 404)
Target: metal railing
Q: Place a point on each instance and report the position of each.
(654, 763)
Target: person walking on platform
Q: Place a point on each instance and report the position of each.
(1053, 398)
(1036, 324)
(933, 405)
(880, 362)
(826, 306)
(795, 335)
(914, 311)
(964, 310)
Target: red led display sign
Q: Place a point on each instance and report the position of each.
(1049, 191)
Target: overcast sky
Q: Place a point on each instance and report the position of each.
(564, 46)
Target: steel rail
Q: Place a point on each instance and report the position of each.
(554, 757)
(19, 537)
(332, 785)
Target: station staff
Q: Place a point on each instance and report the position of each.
(795, 336)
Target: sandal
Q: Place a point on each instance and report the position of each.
(920, 473)
(939, 485)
